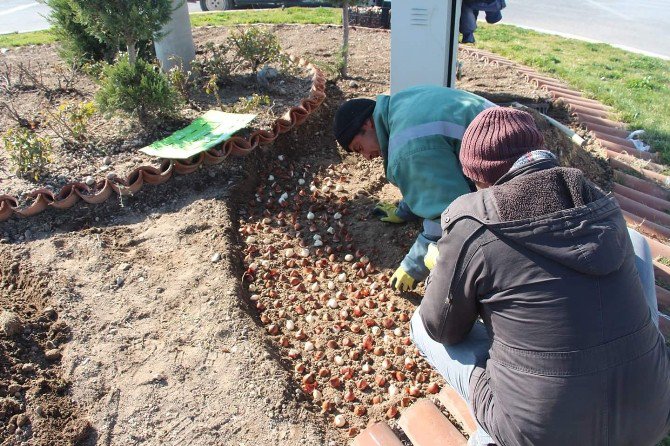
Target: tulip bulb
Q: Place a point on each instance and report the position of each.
(340, 421)
(392, 412)
(433, 388)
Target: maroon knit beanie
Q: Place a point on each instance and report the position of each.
(494, 140)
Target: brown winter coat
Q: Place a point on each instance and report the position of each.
(545, 259)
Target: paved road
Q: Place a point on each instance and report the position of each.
(29, 15)
(22, 16)
(640, 25)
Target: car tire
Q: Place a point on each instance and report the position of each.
(216, 5)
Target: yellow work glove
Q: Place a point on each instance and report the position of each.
(387, 212)
(431, 256)
(402, 281)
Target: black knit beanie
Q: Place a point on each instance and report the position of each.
(350, 118)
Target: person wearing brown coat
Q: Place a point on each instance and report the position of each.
(568, 351)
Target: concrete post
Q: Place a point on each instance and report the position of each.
(177, 44)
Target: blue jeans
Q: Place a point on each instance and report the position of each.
(456, 362)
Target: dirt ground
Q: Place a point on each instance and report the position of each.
(163, 319)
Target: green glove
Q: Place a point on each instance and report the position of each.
(387, 212)
(402, 281)
(431, 256)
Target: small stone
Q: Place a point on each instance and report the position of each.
(89, 180)
(3, 50)
(353, 84)
(124, 267)
(52, 355)
(107, 160)
(216, 257)
(28, 367)
(13, 388)
(119, 281)
(22, 420)
(50, 312)
(40, 412)
(10, 323)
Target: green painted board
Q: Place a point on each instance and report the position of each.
(210, 129)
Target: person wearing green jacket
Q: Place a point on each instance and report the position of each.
(417, 132)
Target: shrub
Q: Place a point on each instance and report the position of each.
(139, 90)
(27, 151)
(77, 44)
(70, 122)
(251, 103)
(180, 80)
(256, 46)
(215, 62)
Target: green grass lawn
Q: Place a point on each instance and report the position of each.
(636, 86)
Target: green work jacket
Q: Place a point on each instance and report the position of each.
(419, 131)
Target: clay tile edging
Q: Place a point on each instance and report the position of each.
(641, 185)
(379, 434)
(614, 131)
(424, 425)
(648, 200)
(646, 227)
(131, 183)
(663, 297)
(458, 408)
(621, 165)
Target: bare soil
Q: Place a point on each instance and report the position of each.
(163, 318)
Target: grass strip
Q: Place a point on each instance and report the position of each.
(294, 15)
(636, 86)
(22, 39)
